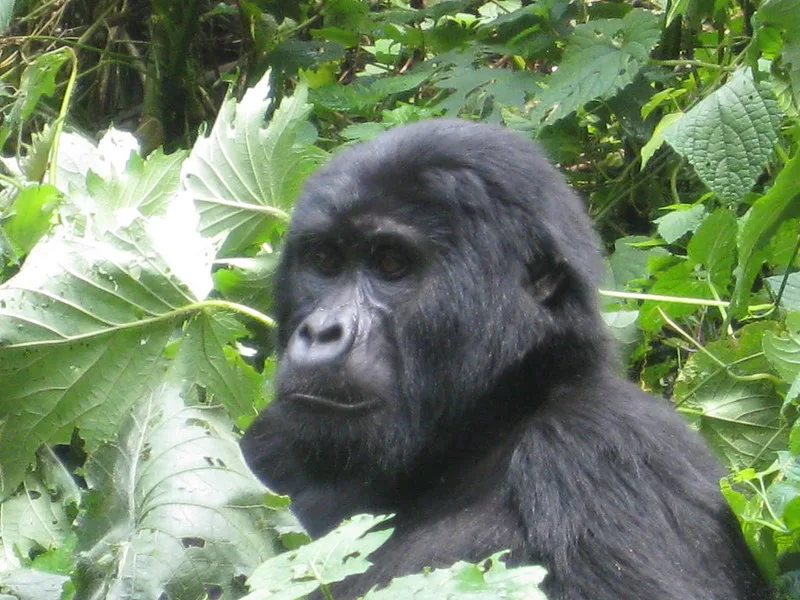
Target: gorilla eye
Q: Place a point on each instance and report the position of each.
(391, 263)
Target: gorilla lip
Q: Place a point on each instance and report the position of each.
(333, 404)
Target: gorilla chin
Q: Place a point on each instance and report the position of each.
(442, 358)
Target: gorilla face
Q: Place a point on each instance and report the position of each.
(405, 277)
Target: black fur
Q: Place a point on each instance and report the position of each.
(472, 392)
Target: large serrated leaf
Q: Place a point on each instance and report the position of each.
(82, 329)
(601, 58)
(146, 185)
(173, 511)
(728, 137)
(244, 176)
(39, 517)
(207, 358)
(331, 558)
(466, 581)
(739, 416)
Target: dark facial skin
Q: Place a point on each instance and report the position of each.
(442, 358)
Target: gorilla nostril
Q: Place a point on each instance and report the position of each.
(305, 333)
(334, 333)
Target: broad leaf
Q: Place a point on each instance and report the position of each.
(790, 299)
(739, 416)
(244, 175)
(465, 581)
(39, 517)
(30, 216)
(680, 220)
(27, 584)
(208, 358)
(144, 185)
(728, 137)
(601, 58)
(172, 510)
(341, 553)
(82, 329)
(783, 352)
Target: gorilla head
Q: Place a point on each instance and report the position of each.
(442, 358)
(420, 271)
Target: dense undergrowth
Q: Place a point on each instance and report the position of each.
(135, 261)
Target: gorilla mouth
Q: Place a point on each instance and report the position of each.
(331, 404)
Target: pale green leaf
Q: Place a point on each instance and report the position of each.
(739, 417)
(82, 329)
(681, 220)
(783, 352)
(38, 518)
(602, 57)
(728, 137)
(6, 12)
(331, 558)
(245, 174)
(172, 510)
(790, 299)
(27, 584)
(487, 580)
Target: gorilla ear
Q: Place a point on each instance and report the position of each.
(544, 279)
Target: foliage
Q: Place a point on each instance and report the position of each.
(132, 333)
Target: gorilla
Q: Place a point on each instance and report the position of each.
(442, 358)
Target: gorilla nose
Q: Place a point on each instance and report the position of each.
(322, 338)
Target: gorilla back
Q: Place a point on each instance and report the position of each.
(441, 357)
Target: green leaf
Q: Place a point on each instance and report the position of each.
(760, 222)
(172, 510)
(781, 13)
(243, 176)
(629, 262)
(783, 352)
(109, 158)
(790, 300)
(27, 584)
(145, 185)
(679, 221)
(207, 358)
(30, 216)
(601, 58)
(728, 137)
(714, 247)
(82, 329)
(657, 139)
(504, 86)
(39, 517)
(740, 418)
(464, 581)
(38, 79)
(331, 558)
(678, 280)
